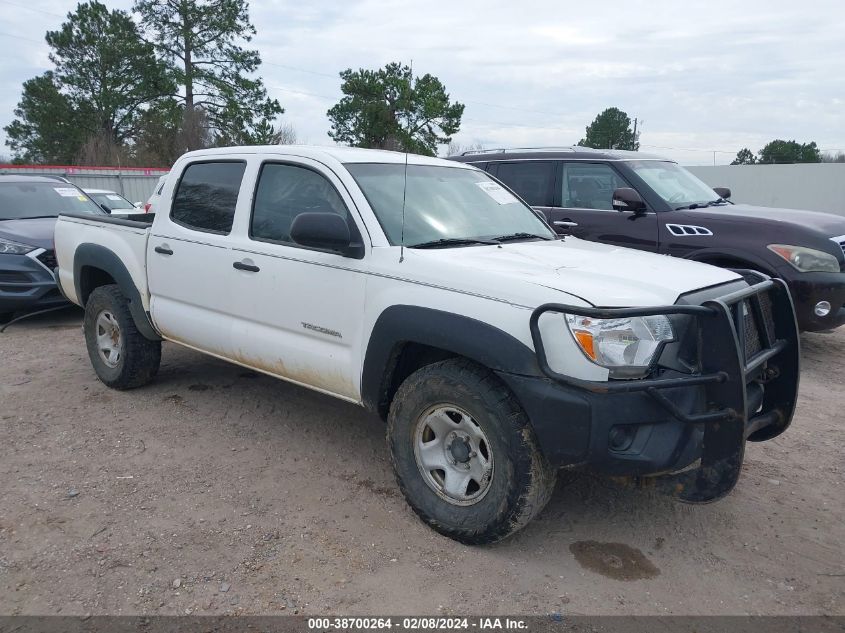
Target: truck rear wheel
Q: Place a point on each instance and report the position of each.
(121, 356)
(464, 453)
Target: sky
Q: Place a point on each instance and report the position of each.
(703, 79)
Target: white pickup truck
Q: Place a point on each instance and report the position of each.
(427, 292)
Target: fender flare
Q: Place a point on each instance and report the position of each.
(100, 257)
(453, 333)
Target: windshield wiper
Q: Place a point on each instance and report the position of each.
(452, 241)
(702, 205)
(520, 236)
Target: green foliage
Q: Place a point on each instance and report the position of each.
(46, 129)
(103, 64)
(744, 157)
(201, 41)
(390, 109)
(104, 77)
(779, 151)
(611, 130)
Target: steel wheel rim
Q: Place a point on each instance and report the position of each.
(109, 338)
(453, 454)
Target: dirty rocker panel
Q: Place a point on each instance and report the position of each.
(730, 363)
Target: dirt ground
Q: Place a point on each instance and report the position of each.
(217, 490)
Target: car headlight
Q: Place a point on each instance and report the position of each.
(626, 346)
(806, 260)
(8, 247)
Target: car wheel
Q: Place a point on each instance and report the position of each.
(121, 356)
(464, 454)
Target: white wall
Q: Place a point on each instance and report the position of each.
(814, 186)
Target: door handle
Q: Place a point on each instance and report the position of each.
(568, 224)
(164, 250)
(248, 267)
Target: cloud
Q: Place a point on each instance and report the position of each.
(699, 75)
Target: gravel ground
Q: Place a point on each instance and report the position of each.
(217, 490)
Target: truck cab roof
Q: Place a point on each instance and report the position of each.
(344, 155)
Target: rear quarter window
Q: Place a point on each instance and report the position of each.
(206, 196)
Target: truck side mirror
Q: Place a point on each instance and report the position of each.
(105, 208)
(326, 231)
(722, 192)
(627, 199)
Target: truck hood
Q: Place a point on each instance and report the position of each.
(33, 232)
(826, 223)
(602, 275)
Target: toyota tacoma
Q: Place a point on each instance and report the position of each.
(497, 351)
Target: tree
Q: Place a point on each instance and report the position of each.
(455, 149)
(611, 130)
(744, 157)
(829, 157)
(390, 109)
(779, 151)
(105, 75)
(47, 128)
(201, 40)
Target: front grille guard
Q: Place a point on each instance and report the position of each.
(726, 369)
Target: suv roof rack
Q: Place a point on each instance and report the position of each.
(504, 150)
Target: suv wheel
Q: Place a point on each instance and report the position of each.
(121, 356)
(464, 454)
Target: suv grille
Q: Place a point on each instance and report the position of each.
(48, 258)
(841, 241)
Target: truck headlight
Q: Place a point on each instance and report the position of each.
(626, 346)
(807, 260)
(8, 247)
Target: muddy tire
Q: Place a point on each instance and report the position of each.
(121, 356)
(464, 454)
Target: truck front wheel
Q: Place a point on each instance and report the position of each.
(122, 357)
(464, 453)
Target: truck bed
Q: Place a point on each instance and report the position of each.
(126, 237)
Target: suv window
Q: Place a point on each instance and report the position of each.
(531, 180)
(206, 196)
(589, 186)
(285, 191)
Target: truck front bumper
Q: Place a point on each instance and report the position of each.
(690, 428)
(27, 283)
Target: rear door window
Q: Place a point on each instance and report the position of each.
(532, 180)
(206, 196)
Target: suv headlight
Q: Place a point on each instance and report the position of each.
(626, 346)
(807, 260)
(8, 247)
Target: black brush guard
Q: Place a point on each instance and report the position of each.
(729, 361)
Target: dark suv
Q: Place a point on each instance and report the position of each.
(29, 207)
(653, 204)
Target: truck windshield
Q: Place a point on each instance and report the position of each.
(21, 200)
(444, 206)
(673, 183)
